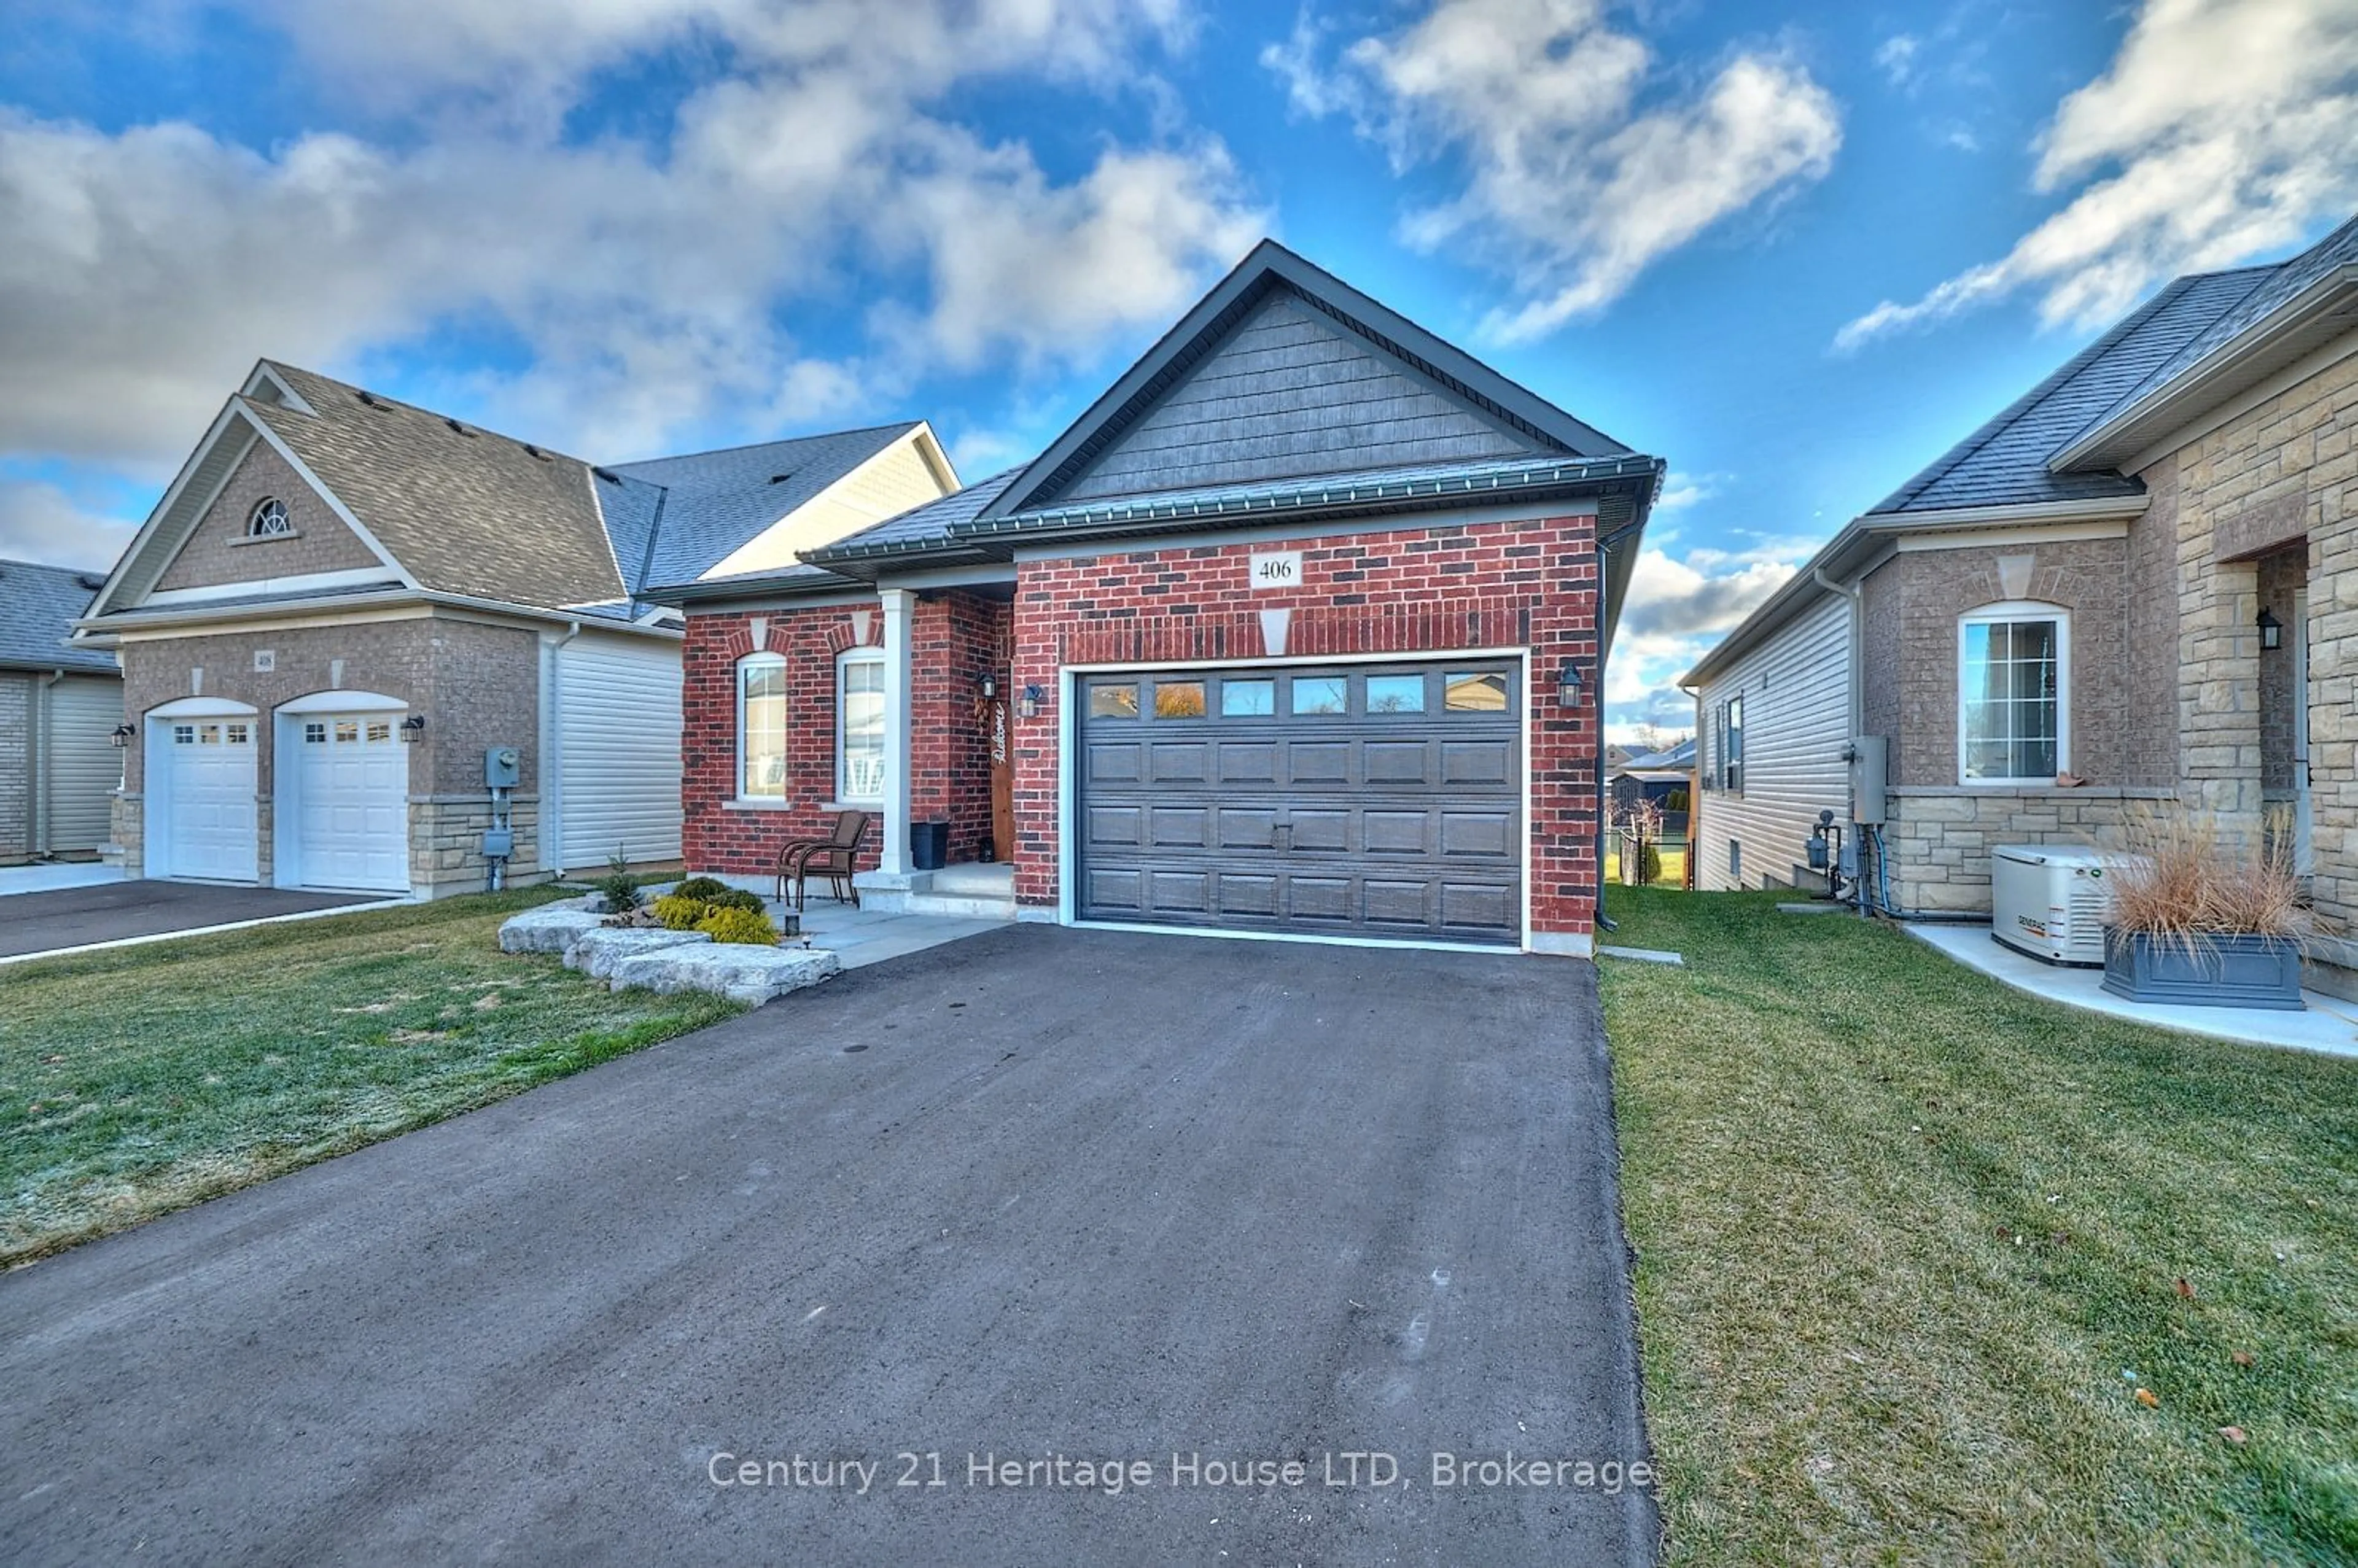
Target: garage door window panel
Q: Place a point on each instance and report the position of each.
(1108, 701)
(1337, 800)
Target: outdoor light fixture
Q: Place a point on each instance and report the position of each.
(1567, 685)
(1029, 708)
(414, 726)
(2271, 630)
(990, 687)
(122, 736)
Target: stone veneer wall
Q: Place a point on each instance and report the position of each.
(1939, 840)
(2281, 476)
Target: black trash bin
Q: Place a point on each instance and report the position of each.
(929, 846)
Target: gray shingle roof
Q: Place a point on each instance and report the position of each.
(38, 605)
(2005, 463)
(2276, 287)
(719, 500)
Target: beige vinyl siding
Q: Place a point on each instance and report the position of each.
(886, 485)
(80, 763)
(1796, 692)
(616, 723)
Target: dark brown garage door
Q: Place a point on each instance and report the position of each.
(1370, 800)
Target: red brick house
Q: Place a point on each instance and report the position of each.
(1298, 630)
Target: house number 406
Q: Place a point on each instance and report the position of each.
(1277, 568)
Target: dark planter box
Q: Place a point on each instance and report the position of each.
(2222, 971)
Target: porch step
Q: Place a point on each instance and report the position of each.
(953, 892)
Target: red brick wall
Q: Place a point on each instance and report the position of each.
(718, 837)
(1431, 589)
(954, 639)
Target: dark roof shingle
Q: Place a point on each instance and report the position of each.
(716, 502)
(2004, 463)
(38, 605)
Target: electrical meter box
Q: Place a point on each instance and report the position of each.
(1868, 780)
(503, 767)
(499, 843)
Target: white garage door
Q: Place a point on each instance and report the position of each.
(351, 801)
(210, 800)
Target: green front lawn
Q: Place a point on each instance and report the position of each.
(143, 1079)
(1910, 1244)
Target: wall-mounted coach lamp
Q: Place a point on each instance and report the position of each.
(1029, 708)
(1567, 685)
(413, 728)
(990, 687)
(2271, 630)
(122, 736)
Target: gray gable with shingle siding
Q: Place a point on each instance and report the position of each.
(1289, 395)
(2004, 463)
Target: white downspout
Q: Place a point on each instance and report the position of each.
(552, 759)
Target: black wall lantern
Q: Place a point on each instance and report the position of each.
(413, 728)
(1567, 685)
(1029, 708)
(2271, 630)
(990, 687)
(122, 736)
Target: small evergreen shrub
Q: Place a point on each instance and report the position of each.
(740, 926)
(702, 889)
(678, 912)
(734, 898)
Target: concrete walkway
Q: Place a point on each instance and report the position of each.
(1190, 1205)
(53, 876)
(2331, 1024)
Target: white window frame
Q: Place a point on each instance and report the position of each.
(2018, 609)
(746, 665)
(283, 518)
(843, 790)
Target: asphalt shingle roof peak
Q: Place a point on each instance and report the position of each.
(38, 605)
(893, 427)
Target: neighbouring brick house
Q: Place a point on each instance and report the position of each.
(58, 707)
(2132, 585)
(1299, 630)
(365, 646)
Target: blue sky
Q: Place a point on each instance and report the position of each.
(1795, 250)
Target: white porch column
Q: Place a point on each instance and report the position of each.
(899, 605)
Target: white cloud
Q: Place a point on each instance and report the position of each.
(1579, 172)
(2222, 129)
(654, 282)
(1897, 58)
(39, 522)
(1684, 489)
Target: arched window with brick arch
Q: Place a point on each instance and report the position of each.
(762, 727)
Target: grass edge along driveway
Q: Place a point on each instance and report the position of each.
(1910, 1243)
(140, 1080)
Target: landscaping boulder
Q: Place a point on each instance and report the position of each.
(736, 971)
(551, 928)
(597, 951)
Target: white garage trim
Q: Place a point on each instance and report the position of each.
(343, 702)
(201, 828)
(340, 800)
(1068, 732)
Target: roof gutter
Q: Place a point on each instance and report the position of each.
(1859, 541)
(2217, 376)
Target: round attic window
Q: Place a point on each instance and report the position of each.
(268, 520)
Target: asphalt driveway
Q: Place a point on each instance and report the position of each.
(1038, 1194)
(111, 911)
